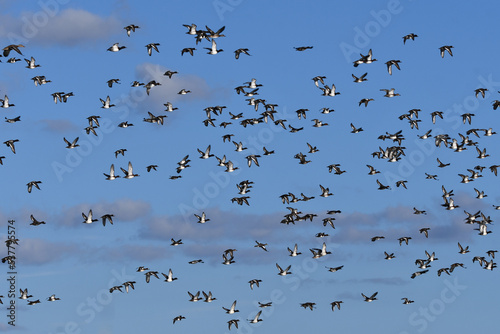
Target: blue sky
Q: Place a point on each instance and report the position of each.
(80, 262)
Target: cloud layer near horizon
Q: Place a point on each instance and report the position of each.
(227, 229)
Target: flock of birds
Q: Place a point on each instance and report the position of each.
(250, 90)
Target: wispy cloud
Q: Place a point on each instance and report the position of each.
(38, 251)
(395, 222)
(170, 87)
(130, 253)
(376, 280)
(222, 226)
(68, 27)
(58, 125)
(123, 210)
(229, 230)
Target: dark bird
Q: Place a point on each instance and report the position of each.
(409, 37)
(302, 48)
(446, 48)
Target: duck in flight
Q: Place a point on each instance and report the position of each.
(233, 322)
(325, 192)
(178, 318)
(206, 154)
(294, 252)
(390, 92)
(31, 63)
(240, 51)
(425, 231)
(283, 272)
(73, 144)
(309, 305)
(302, 48)
(390, 63)
(5, 102)
(106, 104)
(10, 144)
(368, 59)
(152, 46)
(111, 176)
(336, 304)
(356, 130)
(410, 36)
(130, 28)
(169, 277)
(107, 217)
(389, 256)
(361, 78)
(254, 282)
(35, 222)
(217, 34)
(32, 184)
(129, 173)
(188, 50)
(371, 298)
(256, 319)
(445, 48)
(87, 219)
(115, 47)
(213, 50)
(232, 309)
(208, 297)
(202, 219)
(53, 298)
(24, 294)
(12, 47)
(260, 245)
(191, 29)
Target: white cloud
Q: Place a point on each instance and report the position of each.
(122, 209)
(223, 226)
(49, 27)
(129, 253)
(38, 251)
(169, 88)
(58, 125)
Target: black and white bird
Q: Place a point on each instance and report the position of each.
(410, 36)
(130, 28)
(371, 298)
(170, 277)
(202, 219)
(232, 309)
(285, 271)
(444, 48)
(72, 144)
(88, 219)
(32, 184)
(152, 46)
(256, 319)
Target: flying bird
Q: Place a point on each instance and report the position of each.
(371, 298)
(444, 48)
(115, 47)
(131, 28)
(152, 46)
